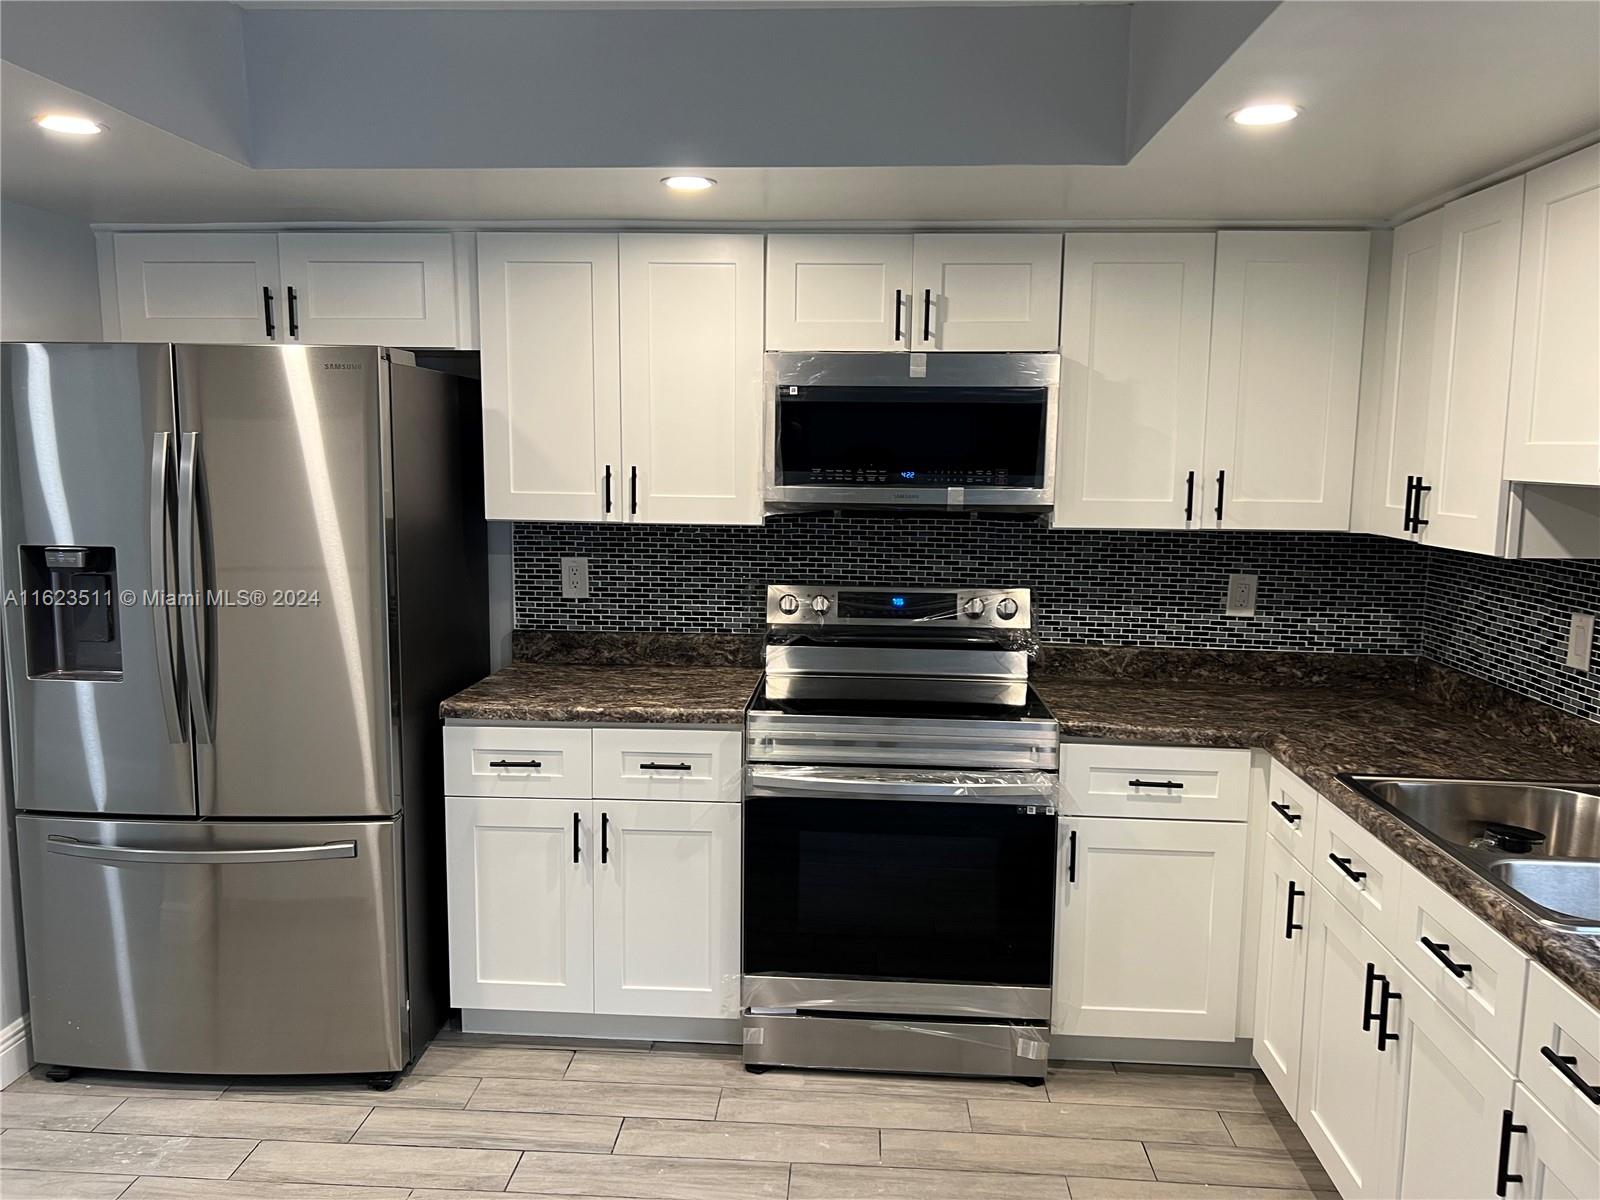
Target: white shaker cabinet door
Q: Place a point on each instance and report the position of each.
(1407, 371)
(1281, 970)
(1464, 508)
(1286, 329)
(1553, 435)
(846, 291)
(986, 291)
(369, 289)
(552, 440)
(1544, 1160)
(1135, 341)
(691, 378)
(1147, 936)
(520, 900)
(199, 287)
(666, 921)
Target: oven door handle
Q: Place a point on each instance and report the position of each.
(962, 787)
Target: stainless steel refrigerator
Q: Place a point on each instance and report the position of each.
(240, 580)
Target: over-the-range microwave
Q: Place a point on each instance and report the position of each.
(939, 430)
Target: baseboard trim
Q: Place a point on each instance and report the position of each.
(1075, 1047)
(16, 1050)
(589, 1025)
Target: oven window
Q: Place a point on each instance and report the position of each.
(892, 889)
(911, 436)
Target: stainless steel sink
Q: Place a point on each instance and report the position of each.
(1538, 843)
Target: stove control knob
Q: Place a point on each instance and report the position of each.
(973, 607)
(1005, 608)
(788, 605)
(820, 605)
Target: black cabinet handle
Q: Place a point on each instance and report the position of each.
(1344, 865)
(294, 314)
(1072, 856)
(1440, 950)
(1411, 493)
(1502, 1173)
(899, 309)
(532, 763)
(605, 836)
(1385, 994)
(1222, 478)
(266, 309)
(1289, 923)
(1367, 1015)
(1417, 519)
(1565, 1064)
(608, 487)
(665, 767)
(633, 491)
(1284, 811)
(576, 818)
(1188, 503)
(927, 314)
(1152, 783)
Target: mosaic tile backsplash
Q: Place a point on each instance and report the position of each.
(1331, 592)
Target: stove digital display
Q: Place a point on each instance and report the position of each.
(904, 606)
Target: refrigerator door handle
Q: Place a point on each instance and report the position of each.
(166, 664)
(191, 603)
(56, 844)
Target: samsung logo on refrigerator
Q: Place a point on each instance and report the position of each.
(338, 366)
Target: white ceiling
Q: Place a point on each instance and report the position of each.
(1403, 103)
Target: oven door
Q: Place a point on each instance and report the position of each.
(891, 891)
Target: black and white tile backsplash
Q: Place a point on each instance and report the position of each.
(1350, 593)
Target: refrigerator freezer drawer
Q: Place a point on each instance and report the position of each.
(245, 948)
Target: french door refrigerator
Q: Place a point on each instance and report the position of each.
(240, 580)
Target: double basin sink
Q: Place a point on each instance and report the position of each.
(1538, 844)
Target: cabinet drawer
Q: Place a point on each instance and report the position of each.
(1484, 988)
(1559, 1022)
(1292, 815)
(1358, 871)
(1178, 782)
(517, 760)
(667, 764)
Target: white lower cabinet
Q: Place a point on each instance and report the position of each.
(666, 909)
(1543, 1159)
(521, 901)
(1148, 928)
(1286, 896)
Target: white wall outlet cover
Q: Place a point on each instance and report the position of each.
(574, 578)
(1240, 600)
(1580, 641)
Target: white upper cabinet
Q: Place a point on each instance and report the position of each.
(369, 288)
(1463, 506)
(850, 291)
(548, 325)
(986, 291)
(1135, 342)
(198, 287)
(1553, 435)
(1285, 374)
(1407, 374)
(691, 377)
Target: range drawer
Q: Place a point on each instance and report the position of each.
(1561, 1055)
(1177, 782)
(1359, 871)
(668, 764)
(1292, 812)
(518, 760)
(1474, 973)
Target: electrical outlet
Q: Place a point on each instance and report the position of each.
(1241, 598)
(1580, 641)
(574, 578)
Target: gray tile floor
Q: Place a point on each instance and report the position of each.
(483, 1116)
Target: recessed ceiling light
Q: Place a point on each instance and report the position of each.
(66, 123)
(689, 183)
(1264, 114)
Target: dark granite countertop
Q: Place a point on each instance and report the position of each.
(1361, 724)
(640, 693)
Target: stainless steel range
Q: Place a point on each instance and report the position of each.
(899, 836)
